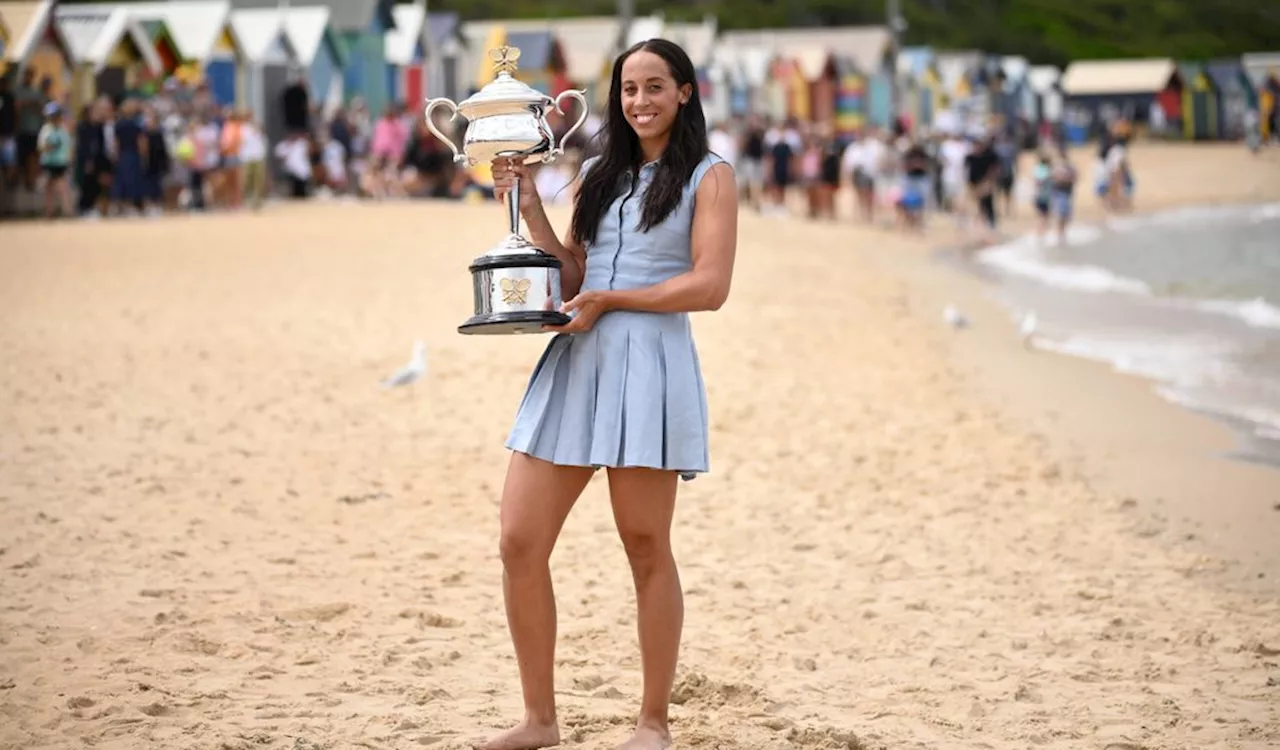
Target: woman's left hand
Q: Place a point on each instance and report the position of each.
(590, 306)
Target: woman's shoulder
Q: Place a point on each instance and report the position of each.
(707, 163)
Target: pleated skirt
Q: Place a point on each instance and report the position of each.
(628, 393)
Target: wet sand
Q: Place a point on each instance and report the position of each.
(216, 531)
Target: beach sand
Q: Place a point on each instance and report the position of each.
(217, 531)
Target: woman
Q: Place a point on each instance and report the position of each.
(653, 238)
(130, 145)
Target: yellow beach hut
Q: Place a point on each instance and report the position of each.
(111, 52)
(35, 43)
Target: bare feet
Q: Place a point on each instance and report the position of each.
(526, 736)
(648, 738)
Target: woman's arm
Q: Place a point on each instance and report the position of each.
(714, 243)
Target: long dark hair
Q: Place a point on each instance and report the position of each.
(620, 149)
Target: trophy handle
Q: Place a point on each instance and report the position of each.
(458, 157)
(576, 95)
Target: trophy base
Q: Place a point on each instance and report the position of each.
(506, 323)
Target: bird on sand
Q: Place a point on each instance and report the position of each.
(1028, 328)
(413, 371)
(954, 317)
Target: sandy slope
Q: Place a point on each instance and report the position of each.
(217, 532)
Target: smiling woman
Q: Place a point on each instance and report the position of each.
(652, 239)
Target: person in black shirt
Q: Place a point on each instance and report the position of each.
(8, 130)
(751, 161)
(982, 169)
(297, 106)
(915, 185)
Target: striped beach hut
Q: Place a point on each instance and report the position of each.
(1200, 104)
(110, 51)
(36, 43)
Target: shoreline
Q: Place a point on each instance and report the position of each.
(1181, 469)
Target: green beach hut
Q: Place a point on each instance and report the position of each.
(1200, 105)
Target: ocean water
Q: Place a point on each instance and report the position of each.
(1189, 299)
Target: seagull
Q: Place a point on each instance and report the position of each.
(1028, 328)
(954, 317)
(411, 372)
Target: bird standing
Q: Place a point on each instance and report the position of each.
(412, 372)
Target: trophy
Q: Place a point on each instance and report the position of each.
(517, 285)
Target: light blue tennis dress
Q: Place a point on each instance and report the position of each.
(629, 392)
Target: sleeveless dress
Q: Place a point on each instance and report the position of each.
(629, 392)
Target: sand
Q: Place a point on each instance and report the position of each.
(216, 531)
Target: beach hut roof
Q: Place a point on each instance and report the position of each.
(743, 64)
(645, 27)
(344, 15)
(306, 28)
(1101, 77)
(27, 22)
(1260, 65)
(588, 42)
(866, 45)
(92, 33)
(259, 29)
(1014, 68)
(195, 25)
(1042, 78)
(403, 41)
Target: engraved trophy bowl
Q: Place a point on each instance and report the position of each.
(517, 285)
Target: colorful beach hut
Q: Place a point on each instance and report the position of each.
(361, 26)
(269, 60)
(1043, 81)
(35, 43)
(1263, 69)
(446, 48)
(162, 40)
(318, 53)
(1236, 95)
(202, 38)
(111, 53)
(1200, 104)
(407, 54)
(1098, 92)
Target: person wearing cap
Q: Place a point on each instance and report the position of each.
(53, 143)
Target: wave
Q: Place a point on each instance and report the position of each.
(1193, 372)
(1025, 257)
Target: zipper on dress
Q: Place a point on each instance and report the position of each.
(613, 272)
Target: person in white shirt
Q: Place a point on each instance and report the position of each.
(253, 160)
(952, 154)
(295, 153)
(723, 144)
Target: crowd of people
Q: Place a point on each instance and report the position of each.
(179, 150)
(898, 175)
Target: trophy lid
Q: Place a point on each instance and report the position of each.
(504, 88)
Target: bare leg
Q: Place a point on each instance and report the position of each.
(536, 499)
(644, 502)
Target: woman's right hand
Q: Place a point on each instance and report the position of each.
(506, 171)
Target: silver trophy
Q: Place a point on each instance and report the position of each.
(517, 285)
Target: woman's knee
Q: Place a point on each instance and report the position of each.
(646, 551)
(522, 547)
